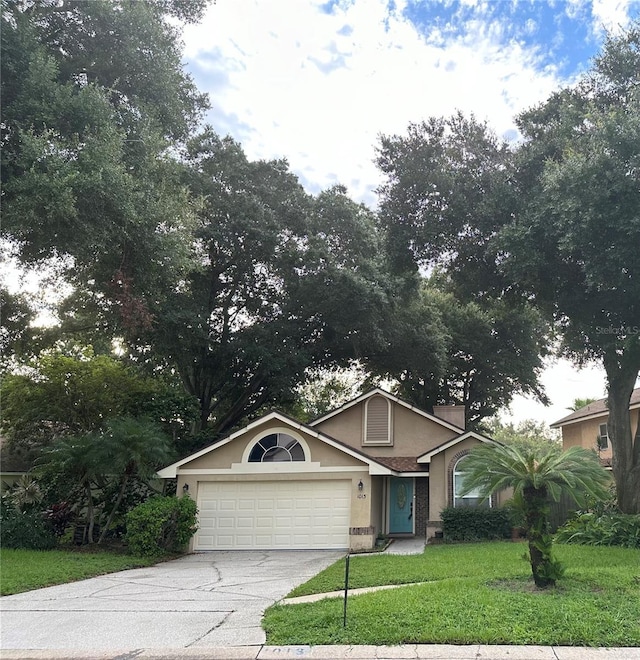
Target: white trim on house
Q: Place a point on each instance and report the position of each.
(171, 471)
(426, 457)
(287, 467)
(391, 397)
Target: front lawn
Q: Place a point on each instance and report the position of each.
(475, 594)
(23, 570)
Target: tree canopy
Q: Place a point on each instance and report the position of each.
(573, 245)
(95, 100)
(226, 274)
(478, 354)
(445, 195)
(550, 225)
(62, 395)
(252, 313)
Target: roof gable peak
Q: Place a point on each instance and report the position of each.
(171, 470)
(391, 397)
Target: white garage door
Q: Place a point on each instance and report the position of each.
(247, 515)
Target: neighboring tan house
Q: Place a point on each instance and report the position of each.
(587, 427)
(376, 465)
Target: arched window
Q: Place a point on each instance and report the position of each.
(378, 421)
(470, 499)
(276, 448)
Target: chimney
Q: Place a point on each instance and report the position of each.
(452, 414)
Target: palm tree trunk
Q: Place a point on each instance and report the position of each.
(90, 512)
(536, 515)
(112, 514)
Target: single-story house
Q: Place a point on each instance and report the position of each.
(587, 427)
(376, 465)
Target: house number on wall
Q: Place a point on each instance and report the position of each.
(362, 496)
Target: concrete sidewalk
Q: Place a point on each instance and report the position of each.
(407, 651)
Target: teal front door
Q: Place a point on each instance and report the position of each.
(400, 506)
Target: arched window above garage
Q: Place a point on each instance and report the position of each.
(276, 448)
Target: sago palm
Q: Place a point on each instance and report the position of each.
(536, 474)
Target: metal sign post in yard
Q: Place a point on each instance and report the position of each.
(346, 590)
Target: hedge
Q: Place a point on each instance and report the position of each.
(469, 523)
(161, 525)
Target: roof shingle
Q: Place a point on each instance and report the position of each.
(598, 407)
(400, 463)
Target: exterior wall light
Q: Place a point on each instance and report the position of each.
(185, 489)
(360, 485)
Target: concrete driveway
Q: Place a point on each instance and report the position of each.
(200, 600)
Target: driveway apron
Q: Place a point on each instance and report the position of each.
(200, 600)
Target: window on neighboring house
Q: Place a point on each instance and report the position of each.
(276, 448)
(378, 421)
(603, 437)
(470, 499)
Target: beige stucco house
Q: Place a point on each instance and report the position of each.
(376, 465)
(587, 427)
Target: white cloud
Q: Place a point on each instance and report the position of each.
(563, 383)
(318, 88)
(611, 15)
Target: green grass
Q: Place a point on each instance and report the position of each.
(23, 570)
(475, 594)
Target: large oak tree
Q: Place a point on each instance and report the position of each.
(95, 105)
(477, 342)
(574, 244)
(281, 282)
(552, 223)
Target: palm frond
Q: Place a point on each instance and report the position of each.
(576, 471)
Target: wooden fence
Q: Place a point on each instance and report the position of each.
(561, 511)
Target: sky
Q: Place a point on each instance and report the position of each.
(317, 82)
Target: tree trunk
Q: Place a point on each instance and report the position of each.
(90, 513)
(125, 480)
(536, 520)
(205, 412)
(625, 445)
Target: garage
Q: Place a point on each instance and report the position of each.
(271, 515)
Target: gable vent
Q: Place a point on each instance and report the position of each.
(377, 421)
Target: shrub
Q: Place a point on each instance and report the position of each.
(475, 523)
(58, 517)
(606, 529)
(161, 525)
(24, 529)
